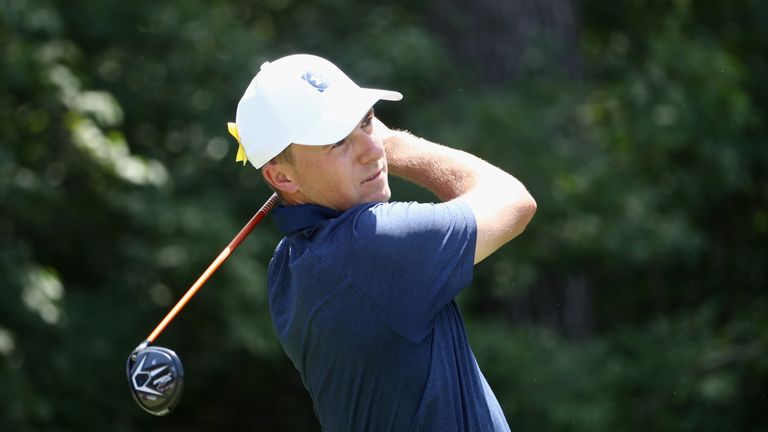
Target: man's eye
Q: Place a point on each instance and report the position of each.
(338, 144)
(367, 121)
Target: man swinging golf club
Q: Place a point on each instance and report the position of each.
(361, 289)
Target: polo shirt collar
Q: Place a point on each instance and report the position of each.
(291, 219)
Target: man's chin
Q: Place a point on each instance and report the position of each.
(386, 194)
(382, 196)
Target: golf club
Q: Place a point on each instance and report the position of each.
(155, 374)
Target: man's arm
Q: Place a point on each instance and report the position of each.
(501, 204)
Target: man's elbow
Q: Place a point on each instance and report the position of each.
(530, 207)
(525, 208)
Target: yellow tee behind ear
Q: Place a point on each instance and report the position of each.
(241, 156)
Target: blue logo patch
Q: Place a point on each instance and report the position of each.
(316, 80)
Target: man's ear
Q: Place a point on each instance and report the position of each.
(279, 177)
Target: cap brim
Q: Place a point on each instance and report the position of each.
(339, 120)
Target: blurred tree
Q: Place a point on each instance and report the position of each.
(506, 41)
(642, 279)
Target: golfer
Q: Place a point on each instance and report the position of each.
(361, 289)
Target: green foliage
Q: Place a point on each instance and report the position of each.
(118, 187)
(676, 373)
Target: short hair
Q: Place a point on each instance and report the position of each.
(285, 156)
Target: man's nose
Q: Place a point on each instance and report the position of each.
(369, 149)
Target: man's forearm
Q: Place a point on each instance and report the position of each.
(446, 172)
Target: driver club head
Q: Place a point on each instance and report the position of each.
(156, 378)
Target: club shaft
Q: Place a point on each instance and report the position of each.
(263, 211)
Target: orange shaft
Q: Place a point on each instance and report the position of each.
(266, 208)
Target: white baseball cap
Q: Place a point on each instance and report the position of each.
(300, 99)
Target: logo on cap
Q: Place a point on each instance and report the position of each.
(316, 80)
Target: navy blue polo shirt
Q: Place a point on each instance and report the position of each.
(362, 302)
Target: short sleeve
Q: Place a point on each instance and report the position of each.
(411, 260)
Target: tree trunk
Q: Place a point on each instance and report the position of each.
(504, 40)
(563, 304)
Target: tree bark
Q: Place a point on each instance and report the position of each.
(563, 304)
(505, 40)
